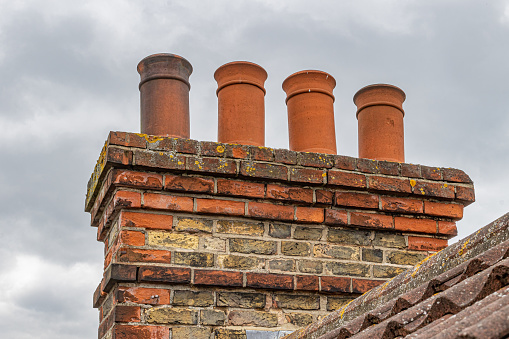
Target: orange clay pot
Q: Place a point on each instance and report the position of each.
(241, 103)
(380, 118)
(310, 102)
(164, 90)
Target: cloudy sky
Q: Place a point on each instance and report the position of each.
(68, 76)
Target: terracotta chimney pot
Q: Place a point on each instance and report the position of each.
(380, 120)
(241, 105)
(310, 102)
(164, 89)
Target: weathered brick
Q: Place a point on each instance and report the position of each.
(389, 240)
(146, 220)
(335, 303)
(354, 199)
(158, 143)
(218, 278)
(295, 248)
(167, 202)
(453, 211)
(297, 302)
(142, 295)
(345, 162)
(447, 228)
(299, 319)
(240, 227)
(224, 333)
(364, 285)
(121, 331)
(433, 189)
(237, 151)
(372, 255)
(431, 173)
(346, 179)
(240, 188)
(119, 156)
(137, 179)
(127, 314)
(455, 175)
(131, 255)
(307, 233)
(289, 193)
(350, 237)
(270, 211)
(261, 153)
(280, 231)
(263, 170)
(307, 175)
(216, 206)
(193, 225)
(310, 266)
(241, 299)
(166, 160)
(426, 244)
(240, 262)
(164, 274)
(307, 283)
(405, 258)
(186, 145)
(285, 156)
(211, 165)
(324, 197)
(127, 139)
(350, 269)
(383, 271)
(177, 316)
(191, 332)
(192, 298)
(177, 240)
(309, 214)
(410, 170)
(367, 165)
(212, 149)
(269, 281)
(133, 238)
(415, 225)
(126, 199)
(252, 318)
(405, 205)
(371, 220)
(335, 284)
(195, 259)
(118, 273)
(252, 246)
(336, 252)
(188, 184)
(336, 217)
(465, 194)
(316, 160)
(388, 167)
(380, 183)
(282, 265)
(213, 244)
(212, 317)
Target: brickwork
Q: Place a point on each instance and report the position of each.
(206, 240)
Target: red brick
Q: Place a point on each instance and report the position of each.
(216, 206)
(465, 194)
(127, 314)
(269, 281)
(261, 153)
(127, 199)
(335, 284)
(119, 156)
(316, 160)
(405, 205)
(389, 184)
(218, 278)
(355, 199)
(161, 143)
(164, 274)
(447, 228)
(364, 285)
(270, 211)
(307, 283)
(237, 151)
(127, 139)
(133, 238)
(142, 295)
(211, 165)
(336, 217)
(307, 175)
(188, 184)
(240, 188)
(263, 170)
(431, 173)
(159, 160)
(324, 197)
(285, 156)
(415, 225)
(453, 211)
(347, 179)
(371, 220)
(167, 202)
(455, 175)
(146, 220)
(140, 332)
(142, 255)
(212, 149)
(344, 162)
(367, 165)
(426, 244)
(309, 214)
(289, 193)
(388, 167)
(434, 189)
(188, 146)
(137, 179)
(410, 170)
(106, 325)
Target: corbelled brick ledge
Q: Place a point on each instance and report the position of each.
(204, 237)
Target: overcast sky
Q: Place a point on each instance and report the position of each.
(68, 77)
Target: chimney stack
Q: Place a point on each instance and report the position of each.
(310, 111)
(380, 116)
(164, 89)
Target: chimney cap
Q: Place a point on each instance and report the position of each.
(164, 66)
(379, 86)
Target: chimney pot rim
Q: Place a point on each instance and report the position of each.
(240, 63)
(163, 57)
(312, 71)
(380, 85)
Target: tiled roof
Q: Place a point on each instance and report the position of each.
(461, 292)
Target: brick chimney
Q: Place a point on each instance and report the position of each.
(212, 240)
